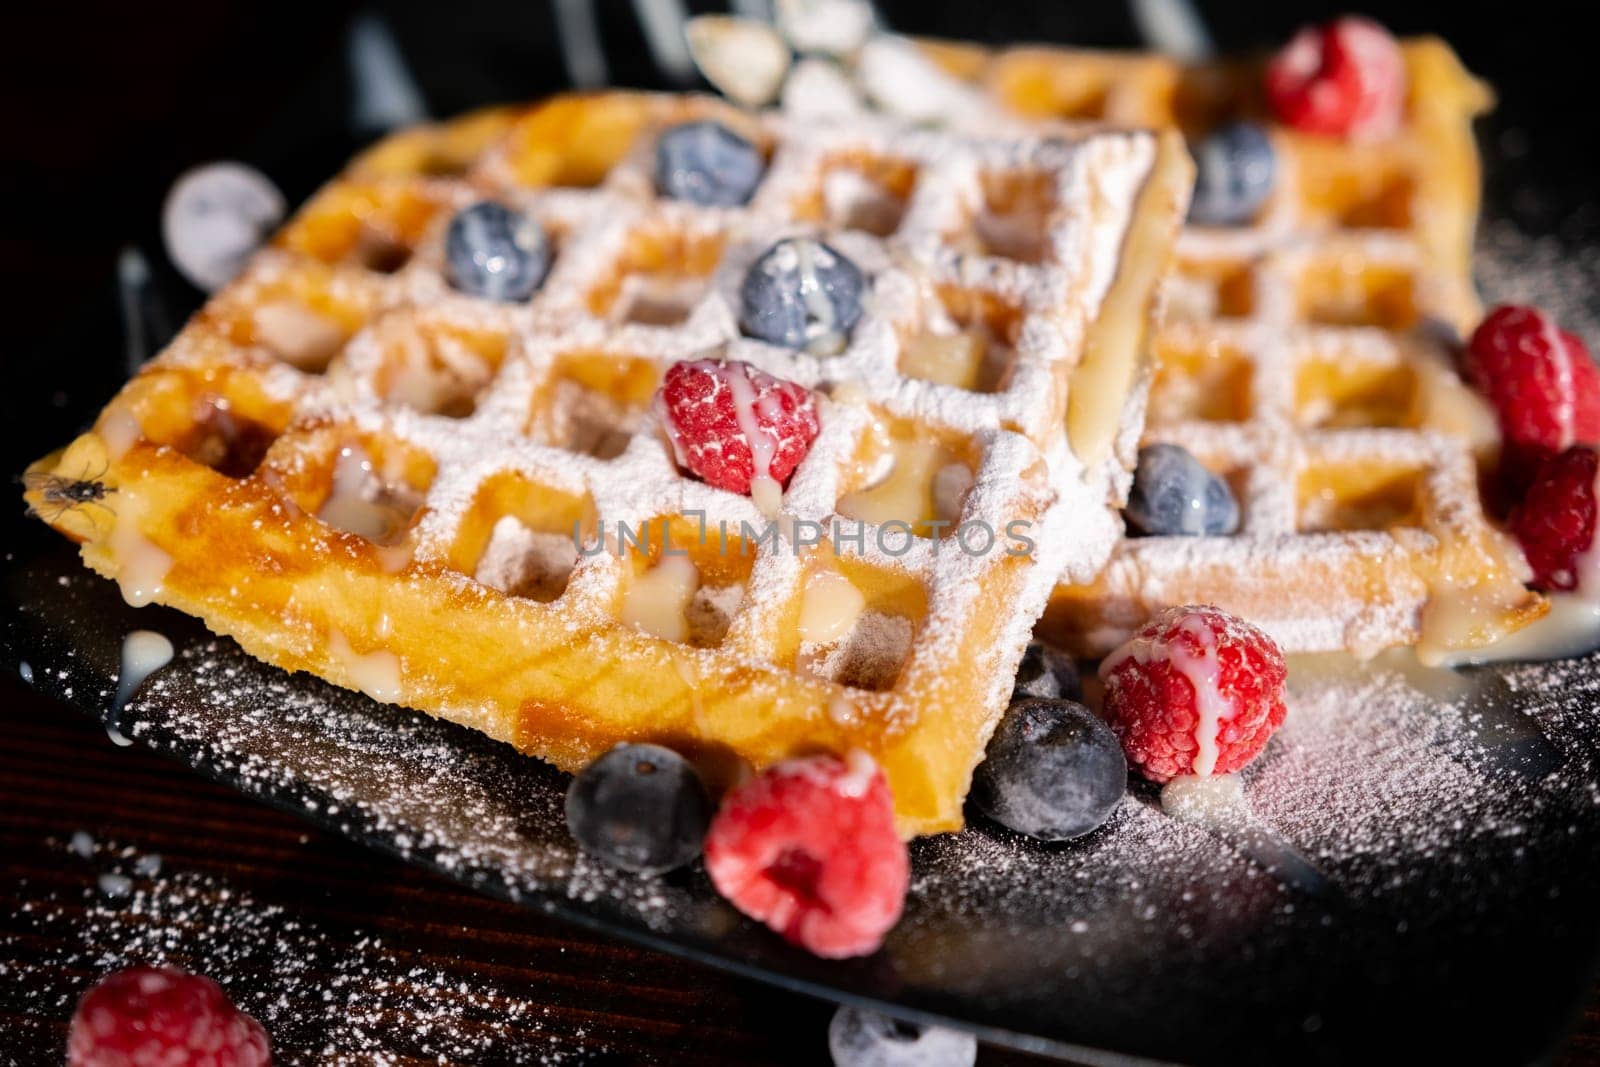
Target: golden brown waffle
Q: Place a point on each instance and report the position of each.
(1309, 359)
(356, 471)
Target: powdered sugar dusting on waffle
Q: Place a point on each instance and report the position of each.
(462, 413)
(1355, 262)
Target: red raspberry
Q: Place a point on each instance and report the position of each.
(1197, 691)
(731, 423)
(1555, 522)
(1542, 383)
(1345, 79)
(809, 848)
(163, 1017)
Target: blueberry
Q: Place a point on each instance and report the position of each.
(802, 293)
(639, 807)
(1053, 771)
(1235, 169)
(708, 164)
(496, 253)
(1047, 672)
(859, 1038)
(1173, 495)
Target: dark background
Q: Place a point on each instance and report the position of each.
(103, 105)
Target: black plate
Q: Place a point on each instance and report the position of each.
(1422, 882)
(1427, 884)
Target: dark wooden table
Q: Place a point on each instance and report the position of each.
(111, 856)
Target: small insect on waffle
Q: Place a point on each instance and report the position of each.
(1308, 357)
(470, 508)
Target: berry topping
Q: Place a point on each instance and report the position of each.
(1345, 79)
(1542, 383)
(802, 294)
(736, 427)
(1174, 495)
(639, 807)
(1235, 169)
(1197, 691)
(161, 1015)
(708, 164)
(859, 1038)
(1053, 771)
(1555, 523)
(1048, 673)
(215, 216)
(495, 253)
(809, 848)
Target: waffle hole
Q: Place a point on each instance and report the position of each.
(661, 275)
(859, 191)
(1050, 89)
(1353, 189)
(1344, 291)
(857, 624)
(911, 478)
(375, 227)
(1358, 496)
(1013, 217)
(374, 488)
(436, 369)
(1203, 291)
(1211, 383)
(572, 142)
(522, 538)
(1344, 394)
(225, 439)
(682, 586)
(969, 342)
(593, 404)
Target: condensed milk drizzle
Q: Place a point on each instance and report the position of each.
(1203, 672)
(143, 653)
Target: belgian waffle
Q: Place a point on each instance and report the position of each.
(1308, 358)
(356, 471)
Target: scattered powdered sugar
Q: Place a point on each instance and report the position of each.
(332, 997)
(1557, 275)
(1393, 796)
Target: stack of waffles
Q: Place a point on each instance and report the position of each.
(470, 508)
(1308, 358)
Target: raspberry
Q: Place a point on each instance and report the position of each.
(1345, 79)
(1555, 523)
(1543, 385)
(809, 848)
(1197, 691)
(733, 425)
(162, 1016)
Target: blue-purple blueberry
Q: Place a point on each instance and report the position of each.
(495, 253)
(639, 807)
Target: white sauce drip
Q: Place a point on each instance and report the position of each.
(822, 334)
(357, 502)
(658, 599)
(143, 653)
(376, 674)
(142, 565)
(830, 608)
(748, 410)
(1204, 673)
(120, 431)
